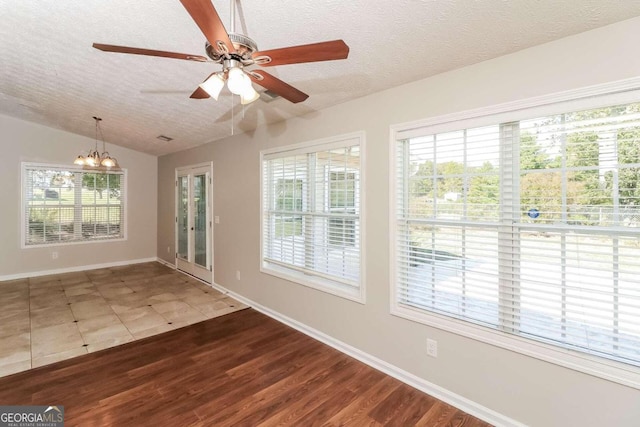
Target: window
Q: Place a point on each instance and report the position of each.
(289, 199)
(342, 199)
(67, 205)
(527, 228)
(311, 214)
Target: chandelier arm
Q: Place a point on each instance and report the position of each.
(97, 158)
(97, 119)
(102, 137)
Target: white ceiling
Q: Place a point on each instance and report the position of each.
(50, 74)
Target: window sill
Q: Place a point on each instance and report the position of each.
(602, 368)
(317, 283)
(70, 243)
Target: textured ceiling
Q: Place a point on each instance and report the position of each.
(50, 74)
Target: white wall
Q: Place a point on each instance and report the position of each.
(525, 389)
(22, 141)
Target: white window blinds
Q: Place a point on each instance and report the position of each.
(530, 227)
(65, 205)
(311, 212)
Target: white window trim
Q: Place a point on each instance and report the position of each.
(357, 294)
(619, 92)
(72, 168)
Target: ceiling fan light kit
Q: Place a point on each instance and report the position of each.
(235, 52)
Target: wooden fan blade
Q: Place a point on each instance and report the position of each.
(199, 93)
(276, 85)
(148, 52)
(207, 19)
(324, 51)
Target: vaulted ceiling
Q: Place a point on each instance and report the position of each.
(51, 75)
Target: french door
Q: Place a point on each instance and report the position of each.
(193, 221)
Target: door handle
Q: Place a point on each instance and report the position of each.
(191, 228)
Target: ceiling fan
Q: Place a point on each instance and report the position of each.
(235, 52)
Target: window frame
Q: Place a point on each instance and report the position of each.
(67, 168)
(615, 93)
(353, 293)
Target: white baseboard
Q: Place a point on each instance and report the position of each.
(414, 381)
(74, 269)
(166, 263)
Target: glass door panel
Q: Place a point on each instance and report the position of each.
(193, 222)
(200, 219)
(183, 217)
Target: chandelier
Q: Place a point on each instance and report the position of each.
(94, 159)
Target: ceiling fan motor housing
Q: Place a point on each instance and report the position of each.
(245, 47)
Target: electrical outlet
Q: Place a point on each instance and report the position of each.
(237, 274)
(54, 255)
(432, 347)
(216, 219)
(168, 249)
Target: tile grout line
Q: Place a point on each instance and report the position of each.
(161, 283)
(117, 315)
(113, 311)
(75, 319)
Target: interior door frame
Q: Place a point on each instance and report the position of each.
(189, 171)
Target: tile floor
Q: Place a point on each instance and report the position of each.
(51, 318)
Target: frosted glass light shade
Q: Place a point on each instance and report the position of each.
(93, 159)
(237, 81)
(213, 85)
(248, 95)
(107, 161)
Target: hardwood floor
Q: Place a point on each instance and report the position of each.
(242, 369)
